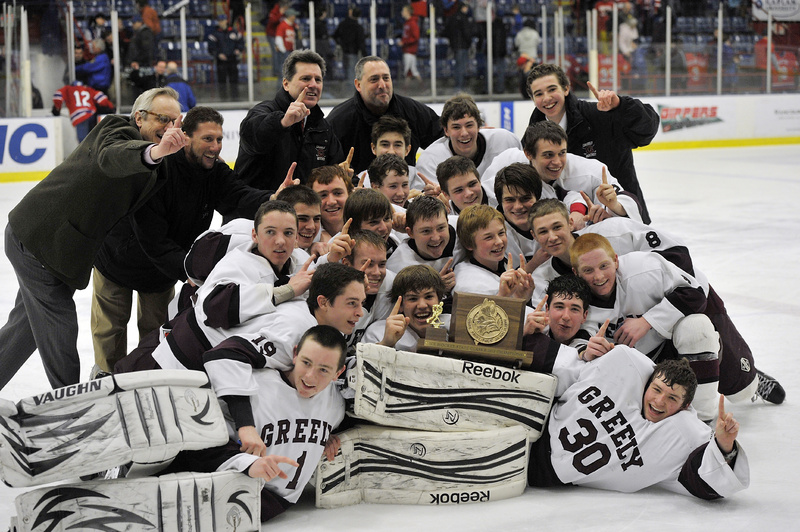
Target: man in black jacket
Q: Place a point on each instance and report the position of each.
(606, 130)
(145, 251)
(351, 37)
(352, 120)
(290, 128)
(54, 233)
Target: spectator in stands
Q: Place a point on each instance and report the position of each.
(97, 72)
(97, 26)
(518, 22)
(410, 43)
(321, 34)
(226, 45)
(124, 35)
(83, 104)
(499, 53)
(185, 93)
(527, 41)
(459, 30)
(142, 47)
(271, 23)
(146, 78)
(352, 120)
(149, 16)
(351, 37)
(628, 33)
(286, 34)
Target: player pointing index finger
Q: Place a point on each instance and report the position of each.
(606, 100)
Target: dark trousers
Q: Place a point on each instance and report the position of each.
(43, 318)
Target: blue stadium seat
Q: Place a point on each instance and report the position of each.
(198, 51)
(170, 51)
(200, 8)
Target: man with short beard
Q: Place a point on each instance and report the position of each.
(145, 252)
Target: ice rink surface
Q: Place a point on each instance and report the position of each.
(737, 210)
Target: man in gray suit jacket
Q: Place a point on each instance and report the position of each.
(54, 233)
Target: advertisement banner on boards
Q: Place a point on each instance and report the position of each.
(28, 145)
(780, 9)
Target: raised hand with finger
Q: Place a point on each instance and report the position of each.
(598, 345)
(448, 275)
(297, 110)
(727, 428)
(174, 139)
(607, 195)
(301, 280)
(595, 213)
(537, 321)
(395, 326)
(289, 181)
(606, 100)
(342, 244)
(345, 165)
(431, 188)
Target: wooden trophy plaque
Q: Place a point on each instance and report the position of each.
(487, 328)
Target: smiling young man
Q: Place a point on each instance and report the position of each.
(482, 231)
(333, 186)
(303, 402)
(517, 187)
(431, 240)
(389, 175)
(565, 176)
(391, 134)
(369, 256)
(290, 128)
(461, 184)
(625, 424)
(307, 204)
(421, 288)
(462, 122)
(606, 130)
(145, 252)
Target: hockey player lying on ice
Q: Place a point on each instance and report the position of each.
(294, 411)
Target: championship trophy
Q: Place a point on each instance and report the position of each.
(482, 327)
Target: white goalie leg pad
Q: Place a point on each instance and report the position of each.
(394, 466)
(426, 392)
(90, 427)
(197, 502)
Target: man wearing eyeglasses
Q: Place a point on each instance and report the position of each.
(54, 233)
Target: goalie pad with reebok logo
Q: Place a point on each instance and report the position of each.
(394, 466)
(426, 392)
(143, 417)
(196, 502)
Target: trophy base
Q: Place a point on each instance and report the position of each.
(435, 343)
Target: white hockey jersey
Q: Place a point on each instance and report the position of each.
(600, 439)
(292, 426)
(579, 174)
(649, 286)
(497, 141)
(236, 299)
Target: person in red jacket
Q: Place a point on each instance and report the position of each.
(83, 103)
(410, 43)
